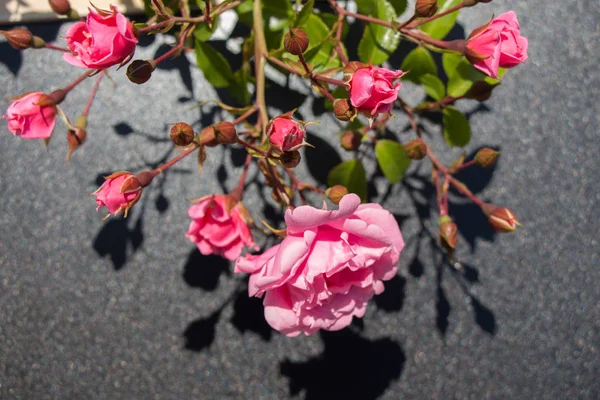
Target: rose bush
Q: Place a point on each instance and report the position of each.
(220, 226)
(104, 40)
(30, 120)
(372, 89)
(327, 268)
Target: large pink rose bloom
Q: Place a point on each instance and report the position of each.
(104, 40)
(109, 194)
(327, 268)
(500, 42)
(219, 226)
(29, 120)
(372, 89)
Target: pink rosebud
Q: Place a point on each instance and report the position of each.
(372, 90)
(498, 44)
(286, 133)
(119, 192)
(104, 40)
(327, 268)
(30, 120)
(220, 226)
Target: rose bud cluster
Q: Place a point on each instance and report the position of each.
(31, 116)
(105, 39)
(285, 133)
(328, 267)
(372, 89)
(498, 44)
(121, 190)
(220, 226)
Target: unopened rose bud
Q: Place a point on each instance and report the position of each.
(351, 68)
(63, 7)
(114, 196)
(295, 41)
(225, 132)
(448, 232)
(343, 110)
(486, 157)
(350, 140)
(480, 91)
(471, 3)
(21, 39)
(182, 134)
(426, 8)
(290, 159)
(140, 71)
(75, 138)
(500, 218)
(335, 193)
(208, 138)
(285, 133)
(416, 149)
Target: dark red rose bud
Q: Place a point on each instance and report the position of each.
(426, 8)
(290, 159)
(75, 138)
(182, 134)
(335, 193)
(295, 41)
(61, 7)
(225, 132)
(21, 39)
(208, 138)
(486, 157)
(448, 232)
(350, 140)
(343, 110)
(140, 71)
(416, 149)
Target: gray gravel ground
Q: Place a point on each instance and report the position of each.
(127, 309)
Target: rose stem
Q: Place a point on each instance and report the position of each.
(436, 16)
(176, 159)
(312, 78)
(77, 81)
(53, 47)
(238, 192)
(92, 95)
(179, 45)
(260, 49)
(322, 78)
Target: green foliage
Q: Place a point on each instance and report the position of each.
(457, 131)
(244, 12)
(352, 175)
(280, 9)
(203, 32)
(461, 74)
(433, 86)
(399, 6)
(320, 48)
(378, 42)
(303, 15)
(419, 62)
(392, 159)
(439, 28)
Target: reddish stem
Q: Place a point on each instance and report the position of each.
(175, 160)
(245, 115)
(53, 47)
(238, 192)
(92, 95)
(436, 16)
(77, 81)
(177, 47)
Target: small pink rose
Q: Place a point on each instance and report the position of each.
(29, 120)
(286, 134)
(220, 226)
(104, 40)
(372, 89)
(498, 45)
(112, 196)
(327, 268)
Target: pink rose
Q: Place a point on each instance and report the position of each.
(104, 40)
(286, 133)
(498, 44)
(112, 196)
(27, 119)
(219, 226)
(372, 90)
(327, 268)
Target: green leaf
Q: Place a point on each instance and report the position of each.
(303, 15)
(202, 32)
(399, 6)
(320, 48)
(392, 159)
(281, 9)
(331, 19)
(378, 42)
(419, 62)
(439, 28)
(352, 175)
(244, 12)
(214, 66)
(433, 86)
(450, 61)
(457, 131)
(239, 87)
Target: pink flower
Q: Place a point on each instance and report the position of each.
(285, 133)
(372, 90)
(119, 192)
(29, 120)
(327, 268)
(220, 226)
(104, 40)
(498, 44)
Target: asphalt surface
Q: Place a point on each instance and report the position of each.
(128, 309)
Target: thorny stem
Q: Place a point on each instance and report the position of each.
(175, 160)
(446, 101)
(338, 38)
(177, 47)
(463, 166)
(260, 48)
(53, 47)
(86, 111)
(253, 148)
(238, 192)
(245, 115)
(77, 81)
(313, 79)
(321, 78)
(436, 16)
